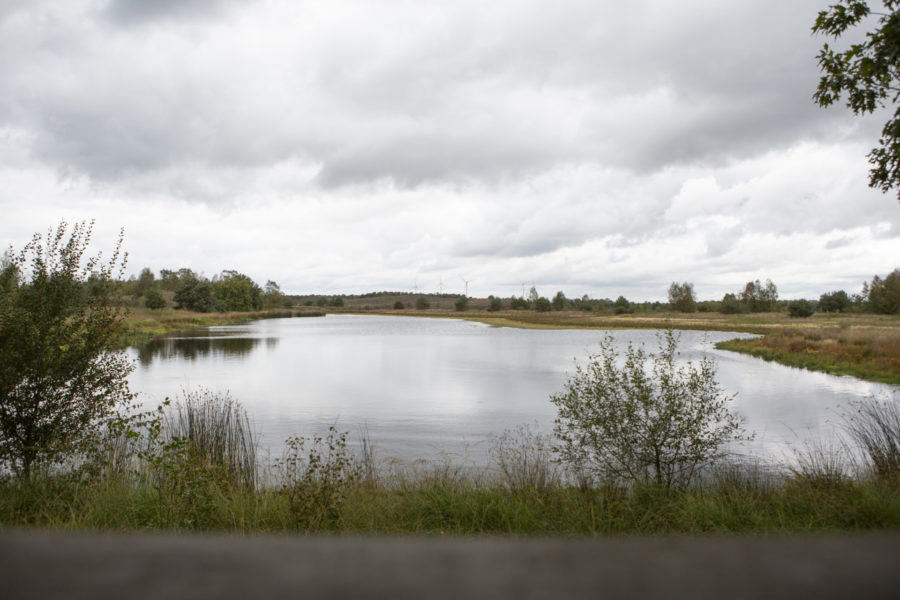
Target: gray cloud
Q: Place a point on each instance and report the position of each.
(136, 12)
(605, 147)
(417, 94)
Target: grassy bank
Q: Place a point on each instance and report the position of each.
(194, 467)
(444, 504)
(141, 324)
(874, 356)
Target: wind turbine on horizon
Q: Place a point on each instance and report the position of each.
(466, 281)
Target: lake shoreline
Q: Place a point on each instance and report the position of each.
(861, 345)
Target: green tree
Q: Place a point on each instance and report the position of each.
(494, 304)
(60, 380)
(273, 297)
(801, 308)
(760, 298)
(519, 303)
(629, 424)
(837, 301)
(422, 303)
(559, 301)
(869, 73)
(622, 306)
(398, 305)
(681, 297)
(462, 304)
(542, 305)
(197, 295)
(144, 282)
(237, 292)
(884, 294)
(154, 300)
(730, 305)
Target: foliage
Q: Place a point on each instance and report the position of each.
(144, 282)
(542, 305)
(315, 473)
(237, 292)
(494, 304)
(273, 297)
(730, 305)
(682, 298)
(559, 301)
(837, 301)
(869, 73)
(622, 306)
(398, 305)
(169, 280)
(519, 303)
(154, 300)
(422, 303)
(884, 294)
(622, 425)
(194, 452)
(60, 383)
(759, 298)
(801, 308)
(337, 302)
(197, 295)
(461, 304)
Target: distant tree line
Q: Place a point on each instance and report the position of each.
(227, 291)
(234, 291)
(881, 296)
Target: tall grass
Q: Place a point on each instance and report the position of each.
(217, 431)
(197, 470)
(874, 426)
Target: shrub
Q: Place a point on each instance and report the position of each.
(630, 425)
(623, 306)
(60, 381)
(730, 305)
(197, 295)
(315, 474)
(422, 303)
(835, 302)
(801, 308)
(559, 301)
(495, 304)
(154, 300)
(519, 303)
(462, 304)
(398, 305)
(542, 305)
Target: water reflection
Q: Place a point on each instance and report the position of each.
(197, 347)
(420, 387)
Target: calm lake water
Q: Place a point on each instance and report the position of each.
(424, 388)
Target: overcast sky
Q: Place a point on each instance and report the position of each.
(594, 147)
